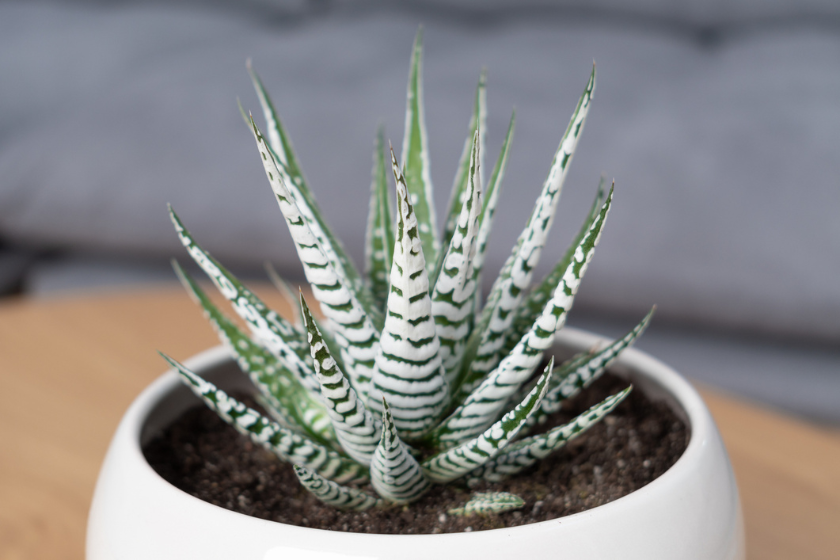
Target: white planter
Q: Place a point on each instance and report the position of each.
(690, 512)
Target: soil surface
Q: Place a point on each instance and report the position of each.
(635, 444)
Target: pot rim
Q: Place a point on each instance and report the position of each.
(678, 392)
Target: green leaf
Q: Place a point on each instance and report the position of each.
(408, 367)
(458, 461)
(286, 444)
(289, 169)
(286, 398)
(454, 292)
(380, 228)
(354, 425)
(487, 503)
(526, 254)
(484, 404)
(394, 473)
(582, 370)
(268, 328)
(478, 122)
(415, 156)
(353, 328)
(335, 495)
(536, 300)
(525, 453)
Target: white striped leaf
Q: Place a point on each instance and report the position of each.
(352, 326)
(394, 473)
(491, 198)
(478, 122)
(527, 452)
(334, 494)
(415, 156)
(288, 167)
(485, 404)
(288, 294)
(536, 300)
(286, 444)
(487, 503)
(531, 242)
(268, 328)
(408, 367)
(458, 461)
(355, 426)
(285, 398)
(583, 370)
(455, 288)
(380, 227)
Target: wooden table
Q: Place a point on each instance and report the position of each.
(70, 367)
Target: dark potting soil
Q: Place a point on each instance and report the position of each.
(635, 444)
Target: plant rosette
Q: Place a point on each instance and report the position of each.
(408, 382)
(690, 512)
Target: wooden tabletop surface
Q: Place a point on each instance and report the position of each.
(70, 367)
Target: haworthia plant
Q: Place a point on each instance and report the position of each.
(484, 503)
(406, 381)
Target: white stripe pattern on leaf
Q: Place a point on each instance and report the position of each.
(284, 443)
(334, 494)
(394, 473)
(532, 240)
(355, 426)
(408, 367)
(352, 327)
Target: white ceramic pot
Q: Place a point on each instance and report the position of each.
(690, 512)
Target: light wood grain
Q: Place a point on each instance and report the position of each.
(70, 367)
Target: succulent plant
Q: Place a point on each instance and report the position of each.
(409, 381)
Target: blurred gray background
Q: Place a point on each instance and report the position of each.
(720, 122)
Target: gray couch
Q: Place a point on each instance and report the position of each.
(720, 122)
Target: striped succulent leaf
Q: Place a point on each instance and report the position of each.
(527, 452)
(531, 241)
(355, 426)
(452, 297)
(394, 473)
(478, 123)
(539, 296)
(488, 400)
(272, 331)
(408, 367)
(458, 461)
(582, 370)
(352, 327)
(280, 147)
(380, 228)
(334, 494)
(288, 294)
(415, 157)
(286, 444)
(491, 198)
(286, 398)
(488, 503)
